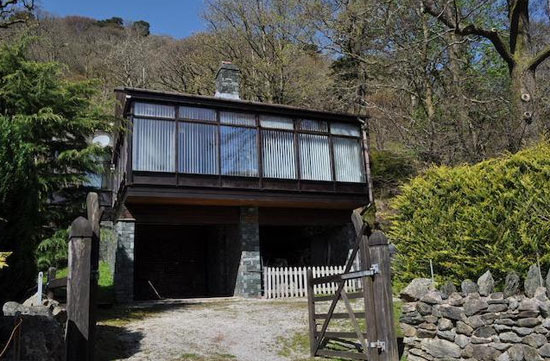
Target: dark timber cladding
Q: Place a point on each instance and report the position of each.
(229, 152)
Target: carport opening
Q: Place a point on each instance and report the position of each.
(185, 261)
(299, 246)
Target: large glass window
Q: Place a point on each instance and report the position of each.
(238, 118)
(198, 148)
(279, 159)
(239, 151)
(313, 125)
(276, 122)
(194, 113)
(345, 129)
(315, 157)
(348, 161)
(153, 145)
(154, 110)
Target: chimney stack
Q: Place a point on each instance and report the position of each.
(228, 81)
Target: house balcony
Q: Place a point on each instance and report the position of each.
(182, 149)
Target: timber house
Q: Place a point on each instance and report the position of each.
(209, 189)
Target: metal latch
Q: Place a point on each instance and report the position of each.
(374, 269)
(381, 345)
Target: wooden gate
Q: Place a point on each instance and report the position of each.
(372, 336)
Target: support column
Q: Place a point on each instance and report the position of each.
(249, 275)
(124, 264)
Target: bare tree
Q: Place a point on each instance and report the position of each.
(15, 12)
(518, 54)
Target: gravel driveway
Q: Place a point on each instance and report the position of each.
(205, 330)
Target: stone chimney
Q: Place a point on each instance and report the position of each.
(228, 81)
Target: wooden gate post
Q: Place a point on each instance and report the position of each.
(79, 278)
(383, 296)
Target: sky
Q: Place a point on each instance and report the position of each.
(178, 18)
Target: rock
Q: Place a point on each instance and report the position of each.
(464, 329)
(534, 340)
(513, 303)
(408, 307)
(511, 284)
(528, 322)
(529, 305)
(407, 330)
(59, 314)
(546, 324)
(452, 313)
(432, 298)
(532, 281)
(542, 301)
(467, 352)
(423, 308)
(544, 351)
(468, 286)
(479, 340)
(476, 321)
(510, 337)
(441, 348)
(447, 289)
(522, 331)
(462, 340)
(495, 308)
(423, 333)
(447, 335)
(500, 346)
(548, 283)
(412, 318)
(32, 301)
(41, 338)
(502, 328)
(505, 321)
(530, 354)
(417, 289)
(474, 305)
(485, 332)
(455, 299)
(516, 353)
(503, 357)
(444, 324)
(11, 308)
(486, 284)
(430, 319)
(485, 353)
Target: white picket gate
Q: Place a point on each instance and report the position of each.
(284, 282)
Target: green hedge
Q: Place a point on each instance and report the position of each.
(494, 215)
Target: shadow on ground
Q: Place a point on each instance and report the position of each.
(114, 341)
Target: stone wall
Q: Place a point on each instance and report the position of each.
(249, 280)
(124, 265)
(477, 323)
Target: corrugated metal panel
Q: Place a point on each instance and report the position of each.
(314, 157)
(153, 145)
(313, 125)
(154, 110)
(238, 118)
(348, 161)
(278, 154)
(345, 129)
(197, 113)
(239, 151)
(273, 121)
(198, 148)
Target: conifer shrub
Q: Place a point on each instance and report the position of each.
(494, 215)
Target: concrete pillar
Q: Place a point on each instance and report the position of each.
(249, 276)
(124, 264)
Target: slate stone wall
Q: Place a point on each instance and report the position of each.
(476, 322)
(249, 276)
(124, 265)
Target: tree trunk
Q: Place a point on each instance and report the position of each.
(523, 105)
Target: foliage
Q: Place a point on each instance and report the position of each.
(3, 259)
(468, 219)
(389, 169)
(45, 124)
(53, 251)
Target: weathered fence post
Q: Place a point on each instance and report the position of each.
(82, 283)
(311, 312)
(383, 296)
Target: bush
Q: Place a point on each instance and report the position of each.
(53, 251)
(390, 169)
(494, 215)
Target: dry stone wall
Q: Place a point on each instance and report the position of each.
(475, 322)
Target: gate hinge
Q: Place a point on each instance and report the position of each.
(374, 269)
(381, 345)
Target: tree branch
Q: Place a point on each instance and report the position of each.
(539, 58)
(491, 35)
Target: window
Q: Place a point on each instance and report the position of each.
(238, 118)
(348, 161)
(345, 129)
(279, 159)
(239, 151)
(154, 110)
(276, 122)
(315, 157)
(193, 113)
(153, 145)
(198, 148)
(313, 125)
